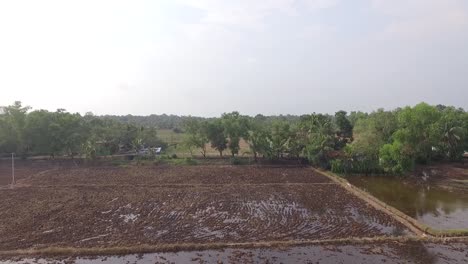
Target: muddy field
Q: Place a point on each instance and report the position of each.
(128, 206)
(176, 175)
(27, 168)
(389, 252)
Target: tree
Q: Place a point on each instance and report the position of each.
(296, 142)
(370, 133)
(395, 158)
(418, 131)
(320, 139)
(197, 135)
(149, 137)
(355, 116)
(37, 130)
(235, 128)
(12, 138)
(258, 140)
(453, 135)
(279, 138)
(128, 136)
(345, 129)
(215, 133)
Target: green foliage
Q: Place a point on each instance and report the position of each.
(394, 158)
(197, 135)
(278, 139)
(296, 142)
(61, 133)
(399, 139)
(452, 134)
(379, 142)
(320, 138)
(258, 139)
(12, 122)
(238, 161)
(418, 131)
(345, 129)
(339, 166)
(185, 161)
(370, 133)
(235, 128)
(215, 133)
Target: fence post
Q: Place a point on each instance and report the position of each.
(12, 169)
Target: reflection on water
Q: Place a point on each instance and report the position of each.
(437, 207)
(409, 252)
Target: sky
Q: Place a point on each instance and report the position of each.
(206, 57)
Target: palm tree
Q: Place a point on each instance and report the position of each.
(452, 141)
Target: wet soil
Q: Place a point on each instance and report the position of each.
(166, 174)
(114, 206)
(390, 252)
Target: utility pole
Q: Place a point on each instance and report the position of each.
(12, 169)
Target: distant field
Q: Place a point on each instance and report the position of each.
(170, 136)
(176, 146)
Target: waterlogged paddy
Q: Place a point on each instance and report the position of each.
(409, 252)
(437, 207)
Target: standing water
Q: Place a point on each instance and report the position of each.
(434, 206)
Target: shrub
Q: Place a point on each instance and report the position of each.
(185, 161)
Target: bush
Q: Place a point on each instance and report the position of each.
(239, 161)
(393, 158)
(177, 130)
(356, 165)
(165, 157)
(235, 161)
(185, 161)
(174, 156)
(338, 166)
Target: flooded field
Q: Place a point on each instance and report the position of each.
(390, 252)
(114, 206)
(440, 208)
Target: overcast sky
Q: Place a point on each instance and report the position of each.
(206, 57)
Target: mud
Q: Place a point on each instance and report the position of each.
(165, 174)
(392, 252)
(113, 206)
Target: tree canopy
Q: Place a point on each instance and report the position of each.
(378, 142)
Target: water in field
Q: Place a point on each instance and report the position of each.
(414, 252)
(437, 207)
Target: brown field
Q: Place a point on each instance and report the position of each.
(105, 206)
(371, 253)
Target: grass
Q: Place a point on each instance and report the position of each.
(176, 146)
(170, 136)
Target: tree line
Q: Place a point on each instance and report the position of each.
(60, 133)
(390, 142)
(379, 142)
(176, 123)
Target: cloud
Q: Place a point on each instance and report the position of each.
(250, 14)
(422, 18)
(320, 4)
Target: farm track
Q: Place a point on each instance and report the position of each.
(181, 185)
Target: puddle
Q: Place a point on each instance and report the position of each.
(392, 253)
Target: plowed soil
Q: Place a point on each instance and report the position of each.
(389, 252)
(116, 206)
